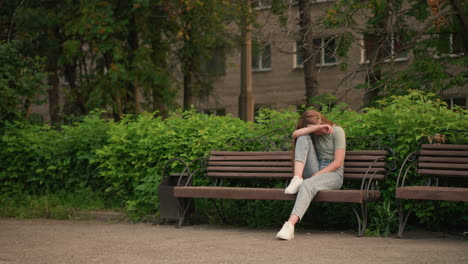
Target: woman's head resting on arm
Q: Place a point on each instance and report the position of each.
(312, 117)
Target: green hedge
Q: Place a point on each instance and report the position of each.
(123, 161)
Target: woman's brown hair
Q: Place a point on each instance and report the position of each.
(310, 117)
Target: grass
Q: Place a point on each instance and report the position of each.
(61, 205)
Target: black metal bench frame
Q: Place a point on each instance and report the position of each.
(375, 169)
(434, 161)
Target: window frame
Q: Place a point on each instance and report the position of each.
(323, 41)
(451, 54)
(451, 100)
(393, 54)
(260, 59)
(261, 5)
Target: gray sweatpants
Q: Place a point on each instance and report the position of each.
(305, 152)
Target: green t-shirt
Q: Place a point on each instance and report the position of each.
(326, 144)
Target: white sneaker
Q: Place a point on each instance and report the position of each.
(287, 232)
(293, 186)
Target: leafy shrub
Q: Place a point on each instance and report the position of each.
(122, 162)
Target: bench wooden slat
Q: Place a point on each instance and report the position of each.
(250, 175)
(364, 158)
(344, 196)
(449, 153)
(272, 175)
(251, 163)
(367, 152)
(364, 164)
(258, 158)
(444, 146)
(281, 169)
(448, 173)
(364, 170)
(249, 153)
(360, 176)
(432, 193)
(443, 165)
(444, 159)
(247, 169)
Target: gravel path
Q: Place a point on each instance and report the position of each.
(83, 241)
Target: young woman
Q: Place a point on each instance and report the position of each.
(319, 149)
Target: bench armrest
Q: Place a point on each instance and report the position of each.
(368, 178)
(409, 163)
(187, 171)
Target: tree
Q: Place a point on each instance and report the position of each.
(21, 81)
(429, 29)
(308, 50)
(202, 27)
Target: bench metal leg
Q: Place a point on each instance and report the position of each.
(362, 219)
(403, 218)
(185, 205)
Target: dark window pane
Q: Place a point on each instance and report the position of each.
(378, 46)
(329, 51)
(444, 43)
(299, 58)
(217, 62)
(457, 43)
(460, 102)
(387, 51)
(318, 48)
(266, 57)
(371, 43)
(255, 56)
(398, 47)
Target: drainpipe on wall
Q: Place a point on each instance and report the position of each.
(246, 99)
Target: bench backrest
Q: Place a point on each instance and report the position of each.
(278, 164)
(443, 160)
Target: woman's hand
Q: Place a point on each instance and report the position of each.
(327, 129)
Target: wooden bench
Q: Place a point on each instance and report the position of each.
(367, 166)
(437, 162)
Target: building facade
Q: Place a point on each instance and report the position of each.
(277, 74)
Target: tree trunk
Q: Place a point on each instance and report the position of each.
(79, 100)
(460, 14)
(53, 92)
(307, 50)
(133, 102)
(246, 98)
(188, 93)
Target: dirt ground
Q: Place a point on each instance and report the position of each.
(89, 241)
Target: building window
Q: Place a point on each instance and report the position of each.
(449, 44)
(217, 111)
(216, 64)
(325, 48)
(298, 58)
(261, 57)
(386, 47)
(261, 4)
(456, 101)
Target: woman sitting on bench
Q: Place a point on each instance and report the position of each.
(319, 150)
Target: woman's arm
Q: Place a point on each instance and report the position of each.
(335, 164)
(309, 129)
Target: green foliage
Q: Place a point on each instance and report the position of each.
(385, 219)
(20, 81)
(39, 158)
(112, 53)
(61, 205)
(437, 45)
(121, 162)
